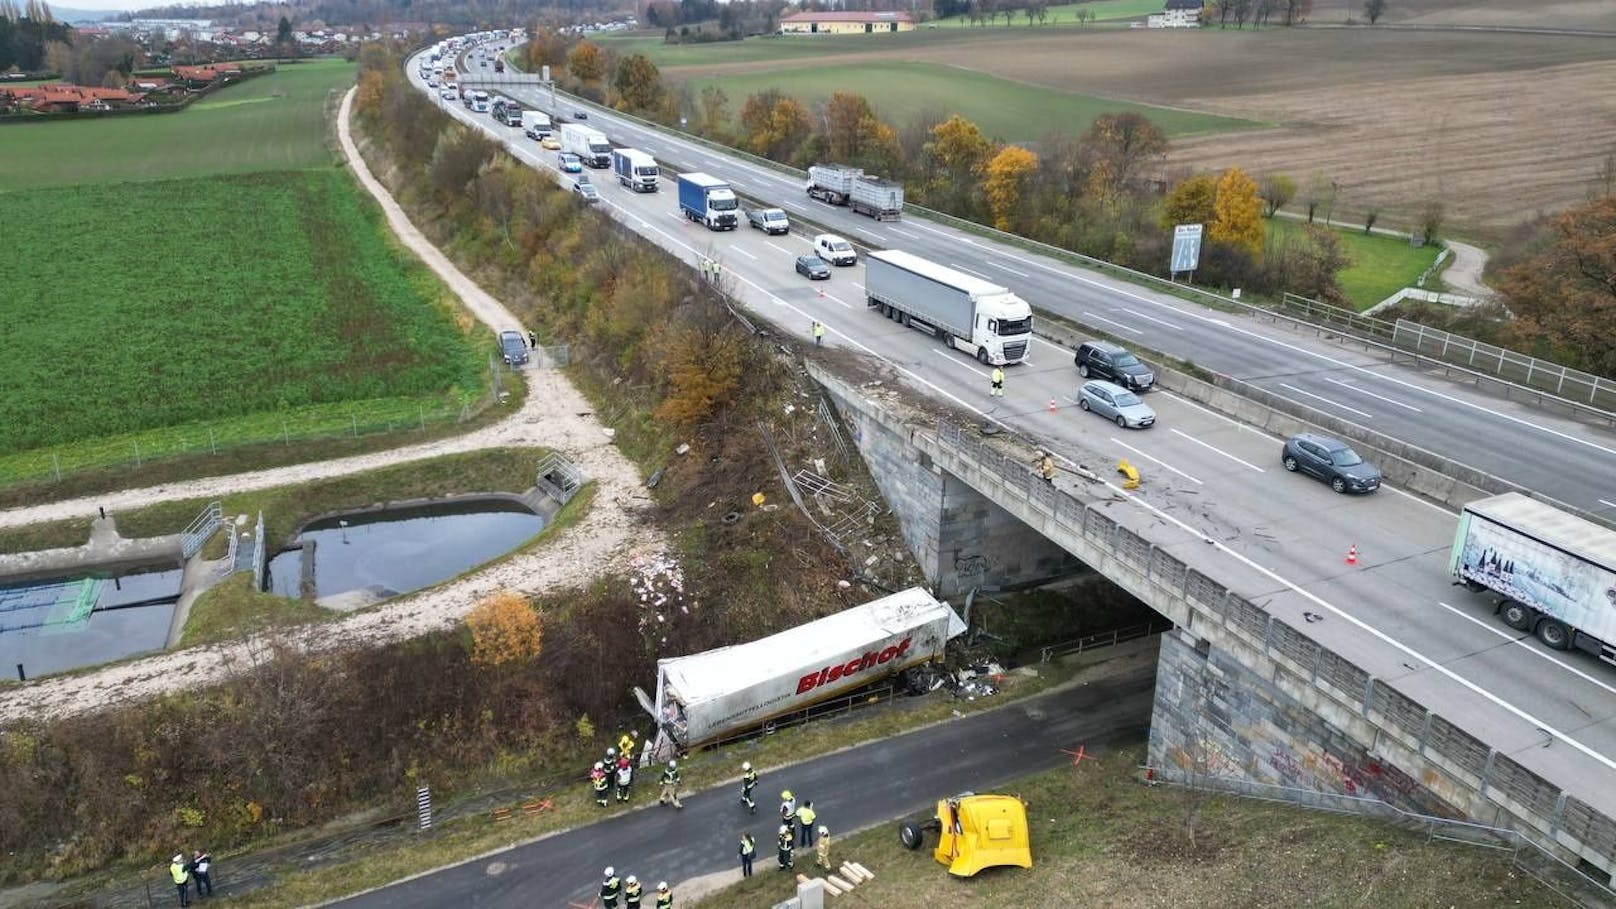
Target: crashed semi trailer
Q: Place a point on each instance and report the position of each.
(709, 695)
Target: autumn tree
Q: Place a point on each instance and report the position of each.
(704, 375)
(1237, 212)
(1373, 10)
(587, 62)
(774, 124)
(1564, 297)
(1190, 202)
(368, 97)
(854, 134)
(504, 629)
(714, 104)
(1275, 190)
(638, 83)
(958, 154)
(1118, 148)
(1007, 177)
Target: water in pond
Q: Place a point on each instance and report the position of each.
(56, 624)
(398, 550)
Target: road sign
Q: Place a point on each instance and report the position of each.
(1186, 247)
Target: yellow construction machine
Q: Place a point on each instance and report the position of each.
(975, 832)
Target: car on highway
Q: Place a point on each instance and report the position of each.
(570, 163)
(585, 190)
(550, 142)
(1114, 363)
(580, 115)
(449, 93)
(769, 220)
(433, 82)
(835, 250)
(1330, 460)
(1115, 403)
(812, 267)
(513, 348)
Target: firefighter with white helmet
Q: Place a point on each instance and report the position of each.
(749, 781)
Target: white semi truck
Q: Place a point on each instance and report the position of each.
(1555, 573)
(976, 316)
(635, 169)
(590, 145)
(708, 696)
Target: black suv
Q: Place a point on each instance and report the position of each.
(1112, 362)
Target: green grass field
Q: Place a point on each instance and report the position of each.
(1010, 111)
(1380, 265)
(1102, 10)
(264, 297)
(274, 122)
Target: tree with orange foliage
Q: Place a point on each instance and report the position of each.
(1564, 298)
(504, 629)
(638, 83)
(587, 61)
(1007, 176)
(1237, 212)
(705, 375)
(1118, 148)
(368, 98)
(854, 135)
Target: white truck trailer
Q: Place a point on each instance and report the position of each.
(969, 314)
(1555, 573)
(635, 169)
(590, 145)
(705, 697)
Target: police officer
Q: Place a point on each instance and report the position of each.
(788, 811)
(609, 889)
(997, 378)
(784, 843)
(598, 779)
(749, 781)
(805, 823)
(748, 852)
(664, 896)
(670, 785)
(181, 873)
(631, 892)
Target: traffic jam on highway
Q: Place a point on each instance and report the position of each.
(1546, 572)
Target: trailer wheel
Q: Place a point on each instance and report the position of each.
(909, 835)
(1554, 634)
(1515, 615)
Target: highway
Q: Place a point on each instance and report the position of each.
(1203, 469)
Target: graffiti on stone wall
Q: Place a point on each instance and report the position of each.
(969, 565)
(1366, 778)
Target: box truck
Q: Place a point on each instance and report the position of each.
(536, 124)
(590, 145)
(709, 200)
(635, 169)
(708, 696)
(968, 313)
(1554, 573)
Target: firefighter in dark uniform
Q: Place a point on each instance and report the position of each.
(664, 896)
(784, 844)
(632, 892)
(749, 781)
(610, 888)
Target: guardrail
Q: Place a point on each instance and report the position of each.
(1299, 662)
(196, 534)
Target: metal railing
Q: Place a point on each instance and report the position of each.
(1102, 639)
(1508, 365)
(558, 477)
(1300, 663)
(260, 555)
(196, 534)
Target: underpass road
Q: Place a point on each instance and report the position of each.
(1216, 476)
(852, 789)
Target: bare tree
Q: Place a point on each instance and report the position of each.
(1275, 190)
(1373, 10)
(1296, 11)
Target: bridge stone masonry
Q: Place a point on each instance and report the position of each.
(1248, 696)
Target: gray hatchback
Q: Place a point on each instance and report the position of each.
(1332, 461)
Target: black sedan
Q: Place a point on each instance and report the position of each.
(813, 267)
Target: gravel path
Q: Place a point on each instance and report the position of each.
(554, 415)
(1463, 274)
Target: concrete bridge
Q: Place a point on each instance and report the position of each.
(1261, 685)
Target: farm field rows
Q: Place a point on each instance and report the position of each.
(274, 122)
(273, 292)
(1101, 10)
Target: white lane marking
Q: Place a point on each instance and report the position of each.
(1221, 547)
(1162, 322)
(969, 271)
(1008, 269)
(1607, 502)
(856, 284)
(904, 233)
(968, 364)
(1112, 322)
(1365, 414)
(1051, 344)
(1351, 387)
(870, 233)
(837, 299)
(1522, 641)
(1214, 448)
(1155, 460)
(1441, 509)
(1207, 410)
(734, 248)
(770, 243)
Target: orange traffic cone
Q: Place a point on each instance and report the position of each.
(1051, 405)
(1352, 554)
(821, 293)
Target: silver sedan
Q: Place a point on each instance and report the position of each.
(1115, 403)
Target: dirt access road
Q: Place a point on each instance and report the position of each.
(554, 415)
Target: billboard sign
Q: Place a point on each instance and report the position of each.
(1186, 247)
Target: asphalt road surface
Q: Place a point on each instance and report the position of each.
(852, 789)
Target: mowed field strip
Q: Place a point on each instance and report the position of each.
(275, 122)
(261, 301)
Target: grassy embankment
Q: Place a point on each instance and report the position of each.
(256, 303)
(1380, 266)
